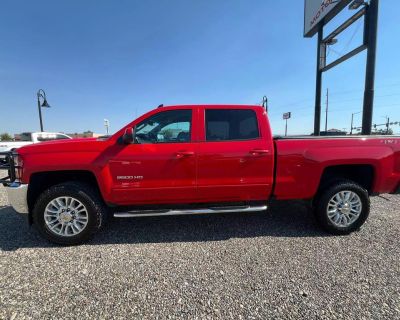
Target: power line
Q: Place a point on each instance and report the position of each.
(346, 100)
(335, 93)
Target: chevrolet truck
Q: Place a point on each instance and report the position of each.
(192, 160)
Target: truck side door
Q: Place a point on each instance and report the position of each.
(235, 159)
(160, 166)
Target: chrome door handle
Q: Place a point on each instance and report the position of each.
(184, 154)
(258, 152)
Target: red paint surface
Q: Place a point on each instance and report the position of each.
(202, 171)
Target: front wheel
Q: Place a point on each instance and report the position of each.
(343, 207)
(69, 213)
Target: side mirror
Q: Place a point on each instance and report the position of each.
(127, 138)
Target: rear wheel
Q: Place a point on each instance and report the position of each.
(342, 207)
(69, 213)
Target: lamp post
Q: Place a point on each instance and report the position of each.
(41, 94)
(352, 117)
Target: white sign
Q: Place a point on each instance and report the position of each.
(320, 11)
(287, 115)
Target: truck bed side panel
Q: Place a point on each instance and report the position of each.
(301, 163)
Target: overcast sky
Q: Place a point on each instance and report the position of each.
(118, 59)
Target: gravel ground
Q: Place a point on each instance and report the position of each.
(275, 264)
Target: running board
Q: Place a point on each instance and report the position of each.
(157, 213)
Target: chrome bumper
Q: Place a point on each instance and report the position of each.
(17, 197)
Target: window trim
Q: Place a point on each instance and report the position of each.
(231, 140)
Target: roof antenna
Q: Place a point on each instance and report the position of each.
(160, 106)
(265, 103)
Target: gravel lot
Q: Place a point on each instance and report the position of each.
(276, 264)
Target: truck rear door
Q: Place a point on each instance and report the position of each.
(235, 158)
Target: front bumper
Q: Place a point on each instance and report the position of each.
(17, 197)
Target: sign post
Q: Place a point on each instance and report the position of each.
(317, 13)
(372, 27)
(286, 116)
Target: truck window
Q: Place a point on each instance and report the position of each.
(172, 126)
(25, 136)
(226, 125)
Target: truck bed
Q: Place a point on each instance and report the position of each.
(301, 162)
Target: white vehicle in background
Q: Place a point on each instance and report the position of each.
(31, 138)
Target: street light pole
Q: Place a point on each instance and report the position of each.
(40, 113)
(41, 94)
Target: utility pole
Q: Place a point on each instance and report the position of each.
(326, 110)
(371, 21)
(351, 127)
(387, 125)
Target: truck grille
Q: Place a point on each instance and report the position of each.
(7, 164)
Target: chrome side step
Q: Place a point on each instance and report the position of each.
(157, 213)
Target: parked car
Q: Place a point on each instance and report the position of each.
(30, 138)
(192, 160)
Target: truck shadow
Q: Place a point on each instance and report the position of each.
(288, 219)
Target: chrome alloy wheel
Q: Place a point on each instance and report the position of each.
(66, 216)
(344, 208)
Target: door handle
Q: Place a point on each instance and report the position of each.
(259, 152)
(184, 154)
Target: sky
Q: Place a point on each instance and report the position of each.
(119, 59)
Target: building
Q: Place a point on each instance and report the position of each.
(85, 134)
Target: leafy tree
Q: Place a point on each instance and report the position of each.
(5, 137)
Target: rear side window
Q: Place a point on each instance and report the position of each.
(228, 125)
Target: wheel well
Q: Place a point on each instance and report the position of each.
(361, 174)
(43, 180)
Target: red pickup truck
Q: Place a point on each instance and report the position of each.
(196, 159)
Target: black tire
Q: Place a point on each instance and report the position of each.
(321, 206)
(96, 211)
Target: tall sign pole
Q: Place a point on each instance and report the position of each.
(286, 116)
(318, 13)
(326, 110)
(371, 39)
(318, 85)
